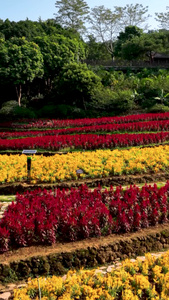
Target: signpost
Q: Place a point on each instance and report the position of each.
(29, 160)
(78, 172)
(29, 151)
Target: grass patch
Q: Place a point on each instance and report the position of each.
(7, 198)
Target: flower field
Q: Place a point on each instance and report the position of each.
(48, 123)
(95, 164)
(133, 281)
(42, 217)
(126, 127)
(93, 134)
(84, 141)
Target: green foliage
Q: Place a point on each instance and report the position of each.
(58, 50)
(8, 108)
(129, 33)
(124, 101)
(55, 111)
(109, 79)
(144, 46)
(117, 101)
(158, 108)
(163, 19)
(77, 112)
(11, 104)
(20, 62)
(104, 23)
(97, 50)
(133, 15)
(23, 112)
(77, 84)
(47, 111)
(72, 14)
(26, 28)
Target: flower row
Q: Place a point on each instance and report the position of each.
(52, 123)
(95, 164)
(84, 141)
(44, 217)
(126, 127)
(133, 281)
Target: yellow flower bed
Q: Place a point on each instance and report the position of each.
(133, 281)
(100, 163)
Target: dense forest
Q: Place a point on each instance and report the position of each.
(46, 67)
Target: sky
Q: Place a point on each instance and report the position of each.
(16, 10)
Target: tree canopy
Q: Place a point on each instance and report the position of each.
(72, 14)
(20, 62)
(163, 19)
(144, 46)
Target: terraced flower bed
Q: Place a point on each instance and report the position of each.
(84, 142)
(133, 281)
(124, 127)
(41, 217)
(95, 164)
(71, 215)
(48, 123)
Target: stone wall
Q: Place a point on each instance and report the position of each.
(58, 264)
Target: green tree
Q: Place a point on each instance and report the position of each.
(104, 25)
(96, 50)
(72, 14)
(26, 28)
(107, 23)
(163, 19)
(133, 15)
(20, 62)
(129, 33)
(77, 84)
(57, 51)
(144, 46)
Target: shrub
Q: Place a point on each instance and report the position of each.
(158, 108)
(124, 101)
(8, 108)
(55, 111)
(23, 112)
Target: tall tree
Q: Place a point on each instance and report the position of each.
(58, 50)
(26, 28)
(163, 19)
(144, 46)
(105, 25)
(128, 34)
(20, 62)
(78, 83)
(133, 15)
(72, 14)
(96, 50)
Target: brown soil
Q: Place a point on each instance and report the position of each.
(27, 252)
(11, 189)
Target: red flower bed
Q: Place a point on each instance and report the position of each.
(139, 126)
(84, 141)
(52, 123)
(41, 217)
